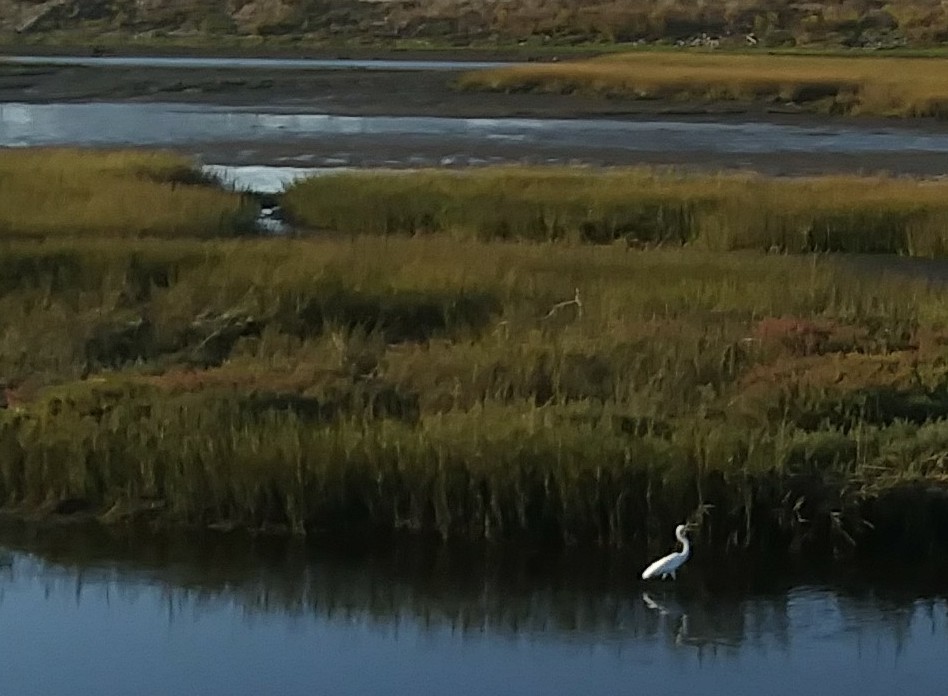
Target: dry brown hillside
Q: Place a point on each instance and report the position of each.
(869, 23)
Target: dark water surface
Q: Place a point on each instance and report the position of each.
(82, 612)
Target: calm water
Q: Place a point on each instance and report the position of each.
(82, 613)
(252, 63)
(265, 179)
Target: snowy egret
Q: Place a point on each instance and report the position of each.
(669, 565)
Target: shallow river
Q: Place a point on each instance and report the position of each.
(82, 613)
(169, 124)
(261, 135)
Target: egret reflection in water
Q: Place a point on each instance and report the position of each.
(715, 625)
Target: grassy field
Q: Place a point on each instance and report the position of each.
(468, 387)
(635, 206)
(57, 192)
(827, 84)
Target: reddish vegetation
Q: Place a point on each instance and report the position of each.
(843, 371)
(9, 398)
(798, 353)
(799, 336)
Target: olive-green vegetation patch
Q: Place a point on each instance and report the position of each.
(85, 193)
(635, 206)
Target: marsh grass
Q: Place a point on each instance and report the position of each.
(56, 192)
(845, 85)
(718, 212)
(276, 383)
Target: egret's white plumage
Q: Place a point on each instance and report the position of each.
(670, 564)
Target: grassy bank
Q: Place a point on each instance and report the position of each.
(56, 192)
(826, 84)
(472, 389)
(868, 24)
(713, 212)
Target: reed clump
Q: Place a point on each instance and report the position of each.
(829, 84)
(470, 389)
(637, 206)
(62, 192)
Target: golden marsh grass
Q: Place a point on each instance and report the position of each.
(904, 87)
(718, 212)
(61, 192)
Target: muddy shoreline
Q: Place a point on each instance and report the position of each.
(373, 92)
(277, 50)
(407, 152)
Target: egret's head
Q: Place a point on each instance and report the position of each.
(682, 529)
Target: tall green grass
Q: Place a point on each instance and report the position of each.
(716, 212)
(468, 388)
(59, 192)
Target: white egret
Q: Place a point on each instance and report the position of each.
(670, 564)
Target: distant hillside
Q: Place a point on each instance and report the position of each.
(861, 23)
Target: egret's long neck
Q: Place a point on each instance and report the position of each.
(685, 545)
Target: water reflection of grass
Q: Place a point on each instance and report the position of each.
(415, 586)
(472, 590)
(635, 206)
(847, 85)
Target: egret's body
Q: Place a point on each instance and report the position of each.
(670, 564)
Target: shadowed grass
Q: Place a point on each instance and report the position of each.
(53, 192)
(720, 212)
(876, 86)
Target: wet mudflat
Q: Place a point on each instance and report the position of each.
(83, 611)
